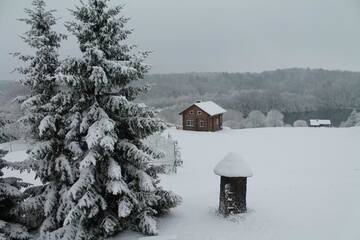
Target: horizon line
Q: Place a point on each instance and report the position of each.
(245, 72)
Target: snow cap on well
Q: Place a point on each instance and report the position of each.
(232, 165)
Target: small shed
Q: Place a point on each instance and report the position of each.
(320, 123)
(202, 116)
(234, 172)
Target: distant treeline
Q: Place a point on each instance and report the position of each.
(297, 93)
(288, 90)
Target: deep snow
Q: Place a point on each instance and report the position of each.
(306, 185)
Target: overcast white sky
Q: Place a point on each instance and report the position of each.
(222, 35)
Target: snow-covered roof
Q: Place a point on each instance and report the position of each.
(209, 107)
(319, 122)
(232, 165)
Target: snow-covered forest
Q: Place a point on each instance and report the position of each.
(297, 93)
(289, 90)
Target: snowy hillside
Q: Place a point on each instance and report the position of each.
(305, 186)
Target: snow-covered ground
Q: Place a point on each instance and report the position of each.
(17, 152)
(306, 185)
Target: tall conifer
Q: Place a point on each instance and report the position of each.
(98, 170)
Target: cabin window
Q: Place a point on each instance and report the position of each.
(189, 123)
(201, 123)
(216, 121)
(198, 112)
(191, 112)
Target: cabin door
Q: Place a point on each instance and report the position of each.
(200, 125)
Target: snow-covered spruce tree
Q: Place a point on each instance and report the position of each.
(38, 74)
(10, 196)
(100, 179)
(43, 110)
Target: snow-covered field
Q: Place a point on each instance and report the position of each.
(306, 185)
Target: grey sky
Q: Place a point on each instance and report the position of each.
(226, 35)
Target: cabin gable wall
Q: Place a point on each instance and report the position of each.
(195, 119)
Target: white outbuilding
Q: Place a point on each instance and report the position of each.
(320, 123)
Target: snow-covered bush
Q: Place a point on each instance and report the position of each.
(353, 120)
(256, 119)
(234, 119)
(300, 123)
(274, 118)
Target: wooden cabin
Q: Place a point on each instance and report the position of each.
(203, 116)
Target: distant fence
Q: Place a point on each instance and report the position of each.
(171, 157)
